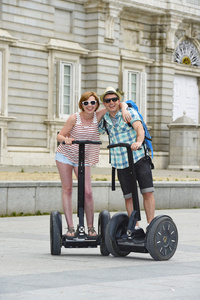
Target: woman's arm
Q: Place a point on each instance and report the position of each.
(62, 135)
(125, 114)
(100, 114)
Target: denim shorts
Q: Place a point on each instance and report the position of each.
(143, 176)
(63, 159)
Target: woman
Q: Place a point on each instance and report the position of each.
(80, 126)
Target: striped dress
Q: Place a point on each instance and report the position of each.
(80, 132)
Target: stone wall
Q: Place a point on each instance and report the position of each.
(31, 197)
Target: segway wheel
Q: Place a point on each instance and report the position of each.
(104, 218)
(55, 232)
(162, 238)
(116, 228)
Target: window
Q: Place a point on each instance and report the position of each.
(187, 54)
(134, 87)
(65, 89)
(64, 80)
(66, 77)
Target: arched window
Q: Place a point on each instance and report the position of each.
(187, 54)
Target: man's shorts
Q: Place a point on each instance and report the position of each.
(143, 175)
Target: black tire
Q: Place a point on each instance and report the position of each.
(162, 238)
(104, 218)
(115, 229)
(55, 232)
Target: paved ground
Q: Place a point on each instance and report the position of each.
(25, 173)
(29, 272)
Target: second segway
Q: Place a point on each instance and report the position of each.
(161, 237)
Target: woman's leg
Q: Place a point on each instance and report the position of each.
(65, 172)
(89, 202)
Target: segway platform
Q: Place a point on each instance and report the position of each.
(84, 241)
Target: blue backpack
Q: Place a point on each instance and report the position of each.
(148, 138)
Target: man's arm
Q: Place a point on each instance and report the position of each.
(137, 125)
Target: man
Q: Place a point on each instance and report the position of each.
(121, 132)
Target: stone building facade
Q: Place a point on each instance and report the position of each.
(52, 51)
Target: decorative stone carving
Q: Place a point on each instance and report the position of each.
(113, 13)
(180, 33)
(195, 32)
(173, 23)
(94, 6)
(186, 53)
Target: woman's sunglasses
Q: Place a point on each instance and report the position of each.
(93, 102)
(113, 100)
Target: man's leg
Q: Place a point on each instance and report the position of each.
(149, 205)
(145, 180)
(129, 206)
(125, 182)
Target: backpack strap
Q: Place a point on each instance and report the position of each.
(113, 179)
(113, 169)
(105, 126)
(106, 129)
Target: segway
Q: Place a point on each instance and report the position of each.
(161, 237)
(81, 239)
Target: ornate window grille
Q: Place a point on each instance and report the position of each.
(187, 54)
(194, 2)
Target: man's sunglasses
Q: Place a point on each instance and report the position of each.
(93, 102)
(113, 100)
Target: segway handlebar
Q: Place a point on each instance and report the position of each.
(119, 145)
(84, 142)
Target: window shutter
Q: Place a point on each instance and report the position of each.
(0, 81)
(125, 84)
(143, 93)
(77, 86)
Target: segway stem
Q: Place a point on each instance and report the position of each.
(135, 216)
(81, 182)
(135, 197)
